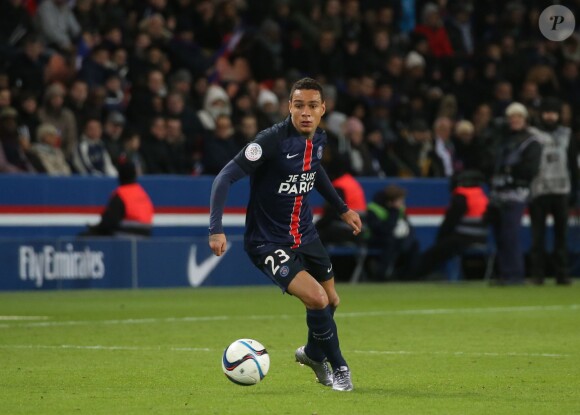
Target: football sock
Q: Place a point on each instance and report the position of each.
(323, 337)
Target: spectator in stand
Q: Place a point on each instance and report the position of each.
(155, 149)
(53, 112)
(220, 147)
(88, 16)
(46, 154)
(112, 37)
(328, 59)
(95, 69)
(460, 30)
(415, 70)
(268, 109)
(119, 63)
(378, 54)
(27, 69)
(414, 152)
(266, 55)
(15, 24)
(531, 98)
(112, 133)
(129, 211)
(91, 156)
(156, 27)
(185, 52)
(176, 107)
(5, 98)
(503, 96)
(146, 102)
(247, 130)
(181, 82)
(13, 158)
(361, 162)
(179, 149)
(434, 31)
(77, 101)
(444, 150)
(570, 83)
(28, 120)
(115, 99)
(131, 142)
(482, 121)
(467, 148)
(216, 102)
(58, 25)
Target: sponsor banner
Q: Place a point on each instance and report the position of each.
(45, 264)
(50, 264)
(194, 265)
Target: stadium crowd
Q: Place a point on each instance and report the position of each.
(413, 88)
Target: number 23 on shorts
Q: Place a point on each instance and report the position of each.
(275, 261)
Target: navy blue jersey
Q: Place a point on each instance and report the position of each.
(283, 167)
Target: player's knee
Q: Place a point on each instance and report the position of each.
(317, 300)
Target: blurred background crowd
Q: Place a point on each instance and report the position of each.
(413, 88)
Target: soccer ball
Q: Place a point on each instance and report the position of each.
(245, 362)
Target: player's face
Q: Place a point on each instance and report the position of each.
(306, 109)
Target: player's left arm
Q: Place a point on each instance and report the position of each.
(324, 186)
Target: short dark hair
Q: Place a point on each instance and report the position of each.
(394, 192)
(307, 83)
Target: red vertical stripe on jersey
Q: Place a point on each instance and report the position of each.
(307, 163)
(295, 220)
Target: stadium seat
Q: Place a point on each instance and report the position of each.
(359, 252)
(454, 267)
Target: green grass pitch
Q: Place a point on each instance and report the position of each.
(413, 349)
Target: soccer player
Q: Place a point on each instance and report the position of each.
(284, 164)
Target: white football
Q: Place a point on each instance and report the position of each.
(245, 362)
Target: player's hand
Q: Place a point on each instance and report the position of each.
(352, 219)
(217, 243)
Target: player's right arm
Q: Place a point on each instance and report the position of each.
(246, 162)
(231, 173)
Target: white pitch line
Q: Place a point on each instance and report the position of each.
(469, 354)
(419, 312)
(475, 310)
(15, 318)
(99, 347)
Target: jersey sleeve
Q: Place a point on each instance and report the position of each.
(254, 154)
(231, 173)
(324, 186)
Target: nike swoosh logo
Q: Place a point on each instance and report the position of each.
(197, 273)
(288, 156)
(329, 269)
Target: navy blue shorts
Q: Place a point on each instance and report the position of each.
(282, 263)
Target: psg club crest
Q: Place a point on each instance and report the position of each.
(284, 271)
(319, 153)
